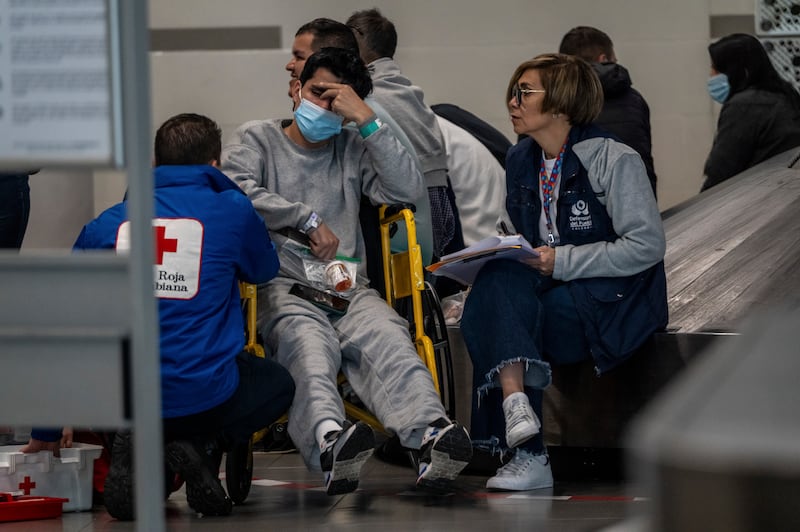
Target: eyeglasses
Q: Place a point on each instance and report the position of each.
(517, 92)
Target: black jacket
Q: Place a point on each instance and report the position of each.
(625, 113)
(753, 126)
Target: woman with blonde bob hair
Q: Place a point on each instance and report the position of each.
(597, 288)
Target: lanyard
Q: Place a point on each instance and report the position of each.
(548, 183)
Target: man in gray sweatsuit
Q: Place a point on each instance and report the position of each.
(308, 174)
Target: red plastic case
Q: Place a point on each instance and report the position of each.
(29, 507)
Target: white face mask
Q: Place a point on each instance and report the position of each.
(315, 123)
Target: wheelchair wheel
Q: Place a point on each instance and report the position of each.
(436, 329)
(239, 471)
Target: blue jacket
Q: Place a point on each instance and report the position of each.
(617, 280)
(208, 236)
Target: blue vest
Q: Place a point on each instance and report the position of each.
(618, 313)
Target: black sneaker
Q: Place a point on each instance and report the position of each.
(118, 487)
(204, 492)
(446, 450)
(343, 454)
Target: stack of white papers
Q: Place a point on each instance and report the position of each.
(464, 265)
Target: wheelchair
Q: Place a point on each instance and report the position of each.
(239, 458)
(405, 289)
(402, 283)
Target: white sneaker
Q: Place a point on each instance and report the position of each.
(525, 471)
(521, 422)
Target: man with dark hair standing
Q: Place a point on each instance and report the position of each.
(208, 237)
(377, 41)
(625, 112)
(313, 36)
(309, 174)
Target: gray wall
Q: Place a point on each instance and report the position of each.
(458, 51)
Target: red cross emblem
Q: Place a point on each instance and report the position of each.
(26, 486)
(163, 245)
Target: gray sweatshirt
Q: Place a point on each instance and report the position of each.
(287, 182)
(619, 179)
(405, 103)
(618, 176)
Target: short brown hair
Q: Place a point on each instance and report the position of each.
(328, 32)
(588, 43)
(570, 83)
(188, 139)
(379, 33)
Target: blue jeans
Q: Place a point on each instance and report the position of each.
(15, 205)
(513, 314)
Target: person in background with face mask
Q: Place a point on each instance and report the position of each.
(760, 114)
(309, 174)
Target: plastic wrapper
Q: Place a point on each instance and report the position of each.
(453, 307)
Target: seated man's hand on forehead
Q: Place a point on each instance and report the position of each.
(343, 101)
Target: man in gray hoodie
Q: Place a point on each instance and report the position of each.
(309, 174)
(377, 40)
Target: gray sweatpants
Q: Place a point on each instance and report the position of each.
(370, 344)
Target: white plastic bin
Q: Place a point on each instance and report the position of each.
(69, 476)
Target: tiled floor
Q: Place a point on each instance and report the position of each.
(285, 496)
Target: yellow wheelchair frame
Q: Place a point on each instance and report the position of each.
(248, 294)
(403, 278)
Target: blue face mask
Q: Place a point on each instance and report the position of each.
(719, 88)
(315, 123)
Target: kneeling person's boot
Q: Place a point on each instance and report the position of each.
(194, 464)
(118, 487)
